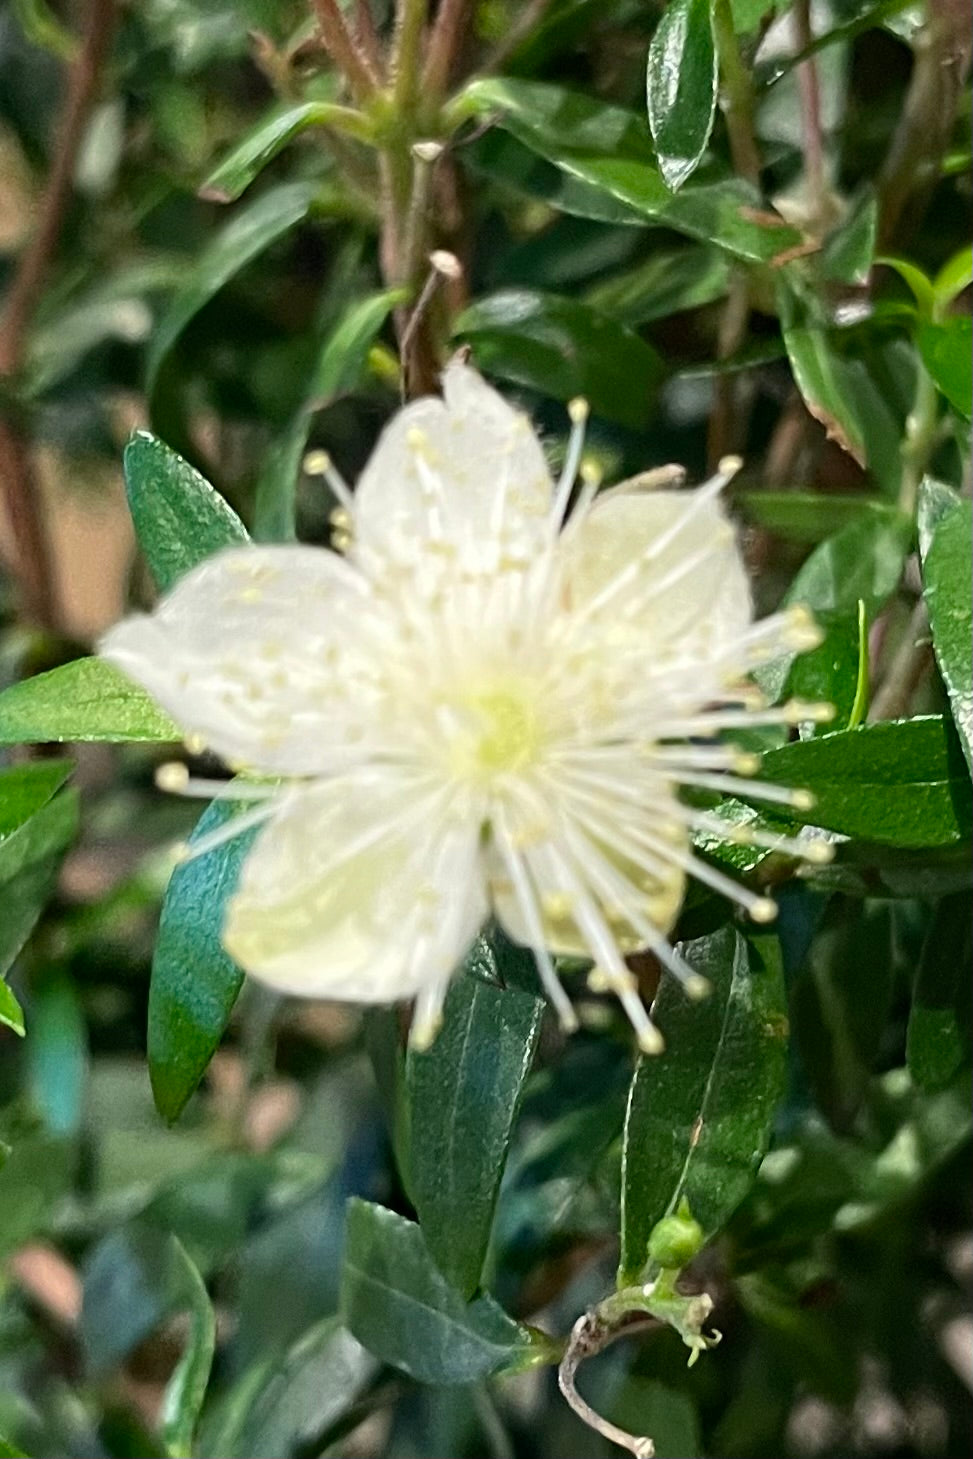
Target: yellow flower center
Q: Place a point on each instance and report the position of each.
(500, 732)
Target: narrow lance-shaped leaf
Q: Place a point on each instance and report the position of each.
(463, 1094)
(271, 135)
(186, 1389)
(179, 517)
(30, 855)
(398, 1304)
(253, 229)
(947, 570)
(87, 700)
(681, 86)
(194, 980)
(699, 1114)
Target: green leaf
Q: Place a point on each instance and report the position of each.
(261, 145)
(85, 700)
(810, 516)
(186, 1389)
(562, 348)
(699, 1114)
(829, 673)
(898, 781)
(938, 1034)
(947, 353)
(7, 1451)
(464, 1093)
(194, 981)
(339, 368)
(30, 856)
(947, 570)
(130, 1283)
(251, 231)
(25, 788)
(57, 1053)
(397, 1303)
(667, 283)
(955, 275)
(11, 1013)
(849, 252)
(936, 501)
(681, 87)
(821, 375)
(608, 148)
(179, 518)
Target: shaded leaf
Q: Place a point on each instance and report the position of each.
(562, 348)
(397, 1304)
(30, 856)
(947, 570)
(681, 86)
(821, 375)
(464, 1094)
(194, 980)
(810, 516)
(667, 283)
(699, 1114)
(186, 1388)
(938, 1034)
(899, 781)
(259, 146)
(179, 518)
(25, 788)
(57, 1052)
(947, 353)
(252, 230)
(11, 1013)
(85, 700)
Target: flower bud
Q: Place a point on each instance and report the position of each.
(676, 1239)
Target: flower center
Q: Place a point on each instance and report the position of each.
(498, 732)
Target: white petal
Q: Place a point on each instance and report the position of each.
(357, 895)
(690, 597)
(466, 474)
(252, 652)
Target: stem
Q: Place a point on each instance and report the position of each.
(590, 1335)
(921, 436)
(521, 27)
(911, 664)
(492, 1425)
(810, 95)
(410, 25)
(367, 35)
(345, 49)
(17, 477)
(448, 34)
(737, 99)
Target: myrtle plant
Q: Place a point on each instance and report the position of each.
(545, 428)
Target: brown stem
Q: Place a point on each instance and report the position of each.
(724, 431)
(809, 92)
(445, 43)
(911, 169)
(345, 50)
(17, 478)
(910, 665)
(590, 1336)
(367, 35)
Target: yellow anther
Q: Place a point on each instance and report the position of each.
(764, 909)
(818, 853)
(172, 777)
(650, 1040)
(195, 744)
(578, 410)
(745, 763)
(803, 800)
(317, 463)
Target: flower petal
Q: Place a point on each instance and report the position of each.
(460, 478)
(254, 653)
(666, 562)
(361, 892)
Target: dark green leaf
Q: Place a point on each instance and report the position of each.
(57, 1053)
(397, 1303)
(464, 1093)
(179, 518)
(563, 348)
(34, 1178)
(30, 857)
(849, 252)
(186, 1388)
(252, 230)
(898, 781)
(829, 673)
(194, 981)
(810, 516)
(258, 147)
(88, 699)
(7, 1451)
(667, 283)
(339, 368)
(938, 1035)
(821, 375)
(608, 148)
(681, 86)
(699, 1114)
(947, 571)
(947, 353)
(11, 1013)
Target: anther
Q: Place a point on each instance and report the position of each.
(172, 777)
(763, 910)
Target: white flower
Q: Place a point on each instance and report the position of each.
(482, 704)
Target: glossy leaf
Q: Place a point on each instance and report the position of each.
(25, 788)
(562, 348)
(938, 1034)
(11, 1013)
(821, 375)
(186, 1388)
(681, 87)
(85, 700)
(30, 855)
(667, 283)
(251, 231)
(947, 570)
(260, 146)
(699, 1114)
(464, 1094)
(194, 981)
(810, 516)
(898, 781)
(399, 1306)
(947, 353)
(608, 148)
(339, 368)
(936, 501)
(179, 518)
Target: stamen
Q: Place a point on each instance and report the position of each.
(527, 905)
(798, 800)
(815, 851)
(174, 778)
(319, 463)
(578, 411)
(192, 850)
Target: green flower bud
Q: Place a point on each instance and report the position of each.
(676, 1239)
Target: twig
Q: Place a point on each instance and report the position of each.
(911, 664)
(17, 478)
(410, 26)
(591, 1335)
(809, 92)
(445, 42)
(521, 28)
(344, 48)
(367, 35)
